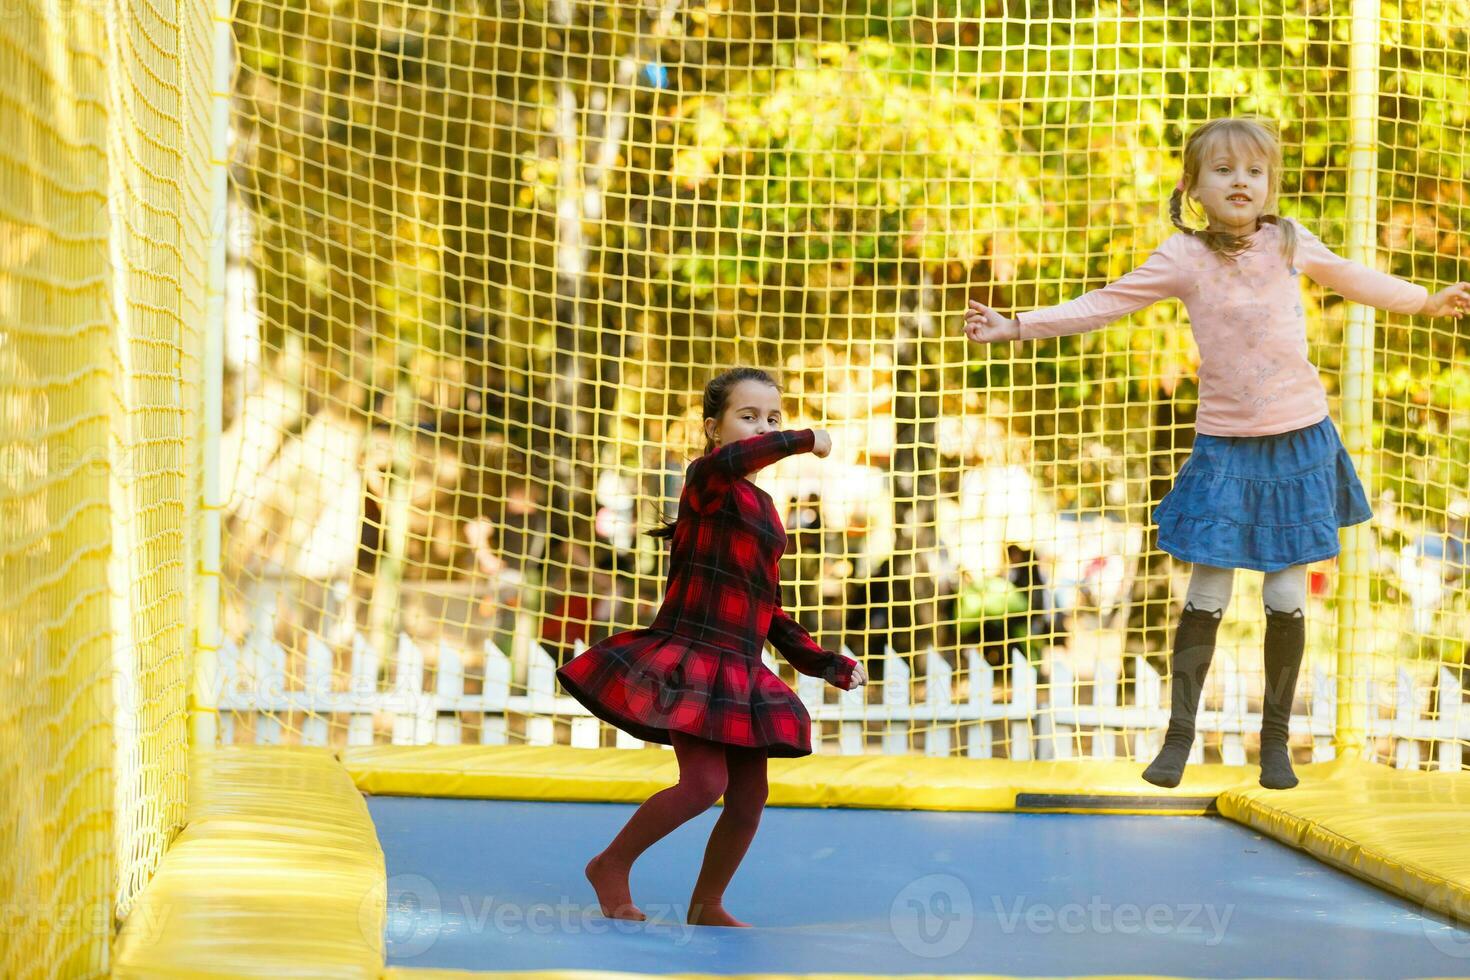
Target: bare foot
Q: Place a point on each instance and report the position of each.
(712, 914)
(611, 885)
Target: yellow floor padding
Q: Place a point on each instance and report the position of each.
(1403, 831)
(398, 973)
(277, 873)
(894, 782)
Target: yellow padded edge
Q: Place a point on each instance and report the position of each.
(277, 873)
(1401, 830)
(889, 782)
(400, 973)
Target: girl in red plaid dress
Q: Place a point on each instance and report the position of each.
(694, 679)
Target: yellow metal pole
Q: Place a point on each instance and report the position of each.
(204, 693)
(1354, 617)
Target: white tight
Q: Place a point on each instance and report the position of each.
(1283, 591)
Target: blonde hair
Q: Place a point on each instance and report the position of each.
(1252, 137)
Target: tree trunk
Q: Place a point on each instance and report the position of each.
(915, 483)
(1150, 611)
(387, 594)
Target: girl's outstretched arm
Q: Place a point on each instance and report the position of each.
(794, 643)
(1156, 279)
(711, 476)
(1354, 280)
(1370, 287)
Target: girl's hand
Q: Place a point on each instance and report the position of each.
(985, 326)
(1451, 301)
(822, 445)
(858, 679)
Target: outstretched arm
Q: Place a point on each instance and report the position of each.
(711, 476)
(794, 643)
(1354, 280)
(1156, 279)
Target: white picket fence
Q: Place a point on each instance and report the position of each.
(253, 682)
(1410, 725)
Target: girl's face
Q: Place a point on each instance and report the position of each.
(752, 408)
(1232, 188)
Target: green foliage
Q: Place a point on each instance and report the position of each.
(803, 173)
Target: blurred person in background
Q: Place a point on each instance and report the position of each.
(1432, 564)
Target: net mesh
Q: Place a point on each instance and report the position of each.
(486, 255)
(104, 222)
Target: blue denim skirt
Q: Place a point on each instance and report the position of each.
(1262, 502)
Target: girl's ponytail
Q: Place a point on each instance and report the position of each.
(665, 529)
(1220, 242)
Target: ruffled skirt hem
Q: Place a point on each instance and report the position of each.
(1262, 502)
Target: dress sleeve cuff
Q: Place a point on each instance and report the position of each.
(839, 672)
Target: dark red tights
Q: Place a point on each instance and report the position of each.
(707, 770)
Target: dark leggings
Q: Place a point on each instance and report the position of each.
(707, 770)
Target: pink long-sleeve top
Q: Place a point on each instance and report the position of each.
(1254, 375)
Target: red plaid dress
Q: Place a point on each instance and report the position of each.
(698, 668)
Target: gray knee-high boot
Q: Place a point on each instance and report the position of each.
(1194, 648)
(1286, 638)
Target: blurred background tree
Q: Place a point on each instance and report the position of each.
(525, 233)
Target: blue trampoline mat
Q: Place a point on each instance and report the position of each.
(497, 885)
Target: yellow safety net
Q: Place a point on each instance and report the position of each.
(484, 258)
(104, 231)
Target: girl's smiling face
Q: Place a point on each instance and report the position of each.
(752, 408)
(1232, 187)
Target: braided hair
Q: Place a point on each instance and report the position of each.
(1258, 138)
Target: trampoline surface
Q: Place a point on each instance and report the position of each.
(496, 885)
